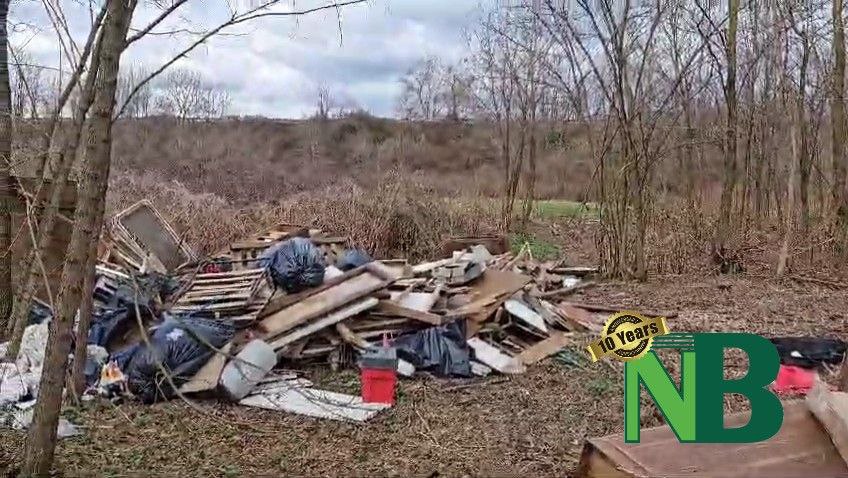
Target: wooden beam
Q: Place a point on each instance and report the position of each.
(331, 319)
(831, 409)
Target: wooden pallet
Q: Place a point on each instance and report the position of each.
(237, 295)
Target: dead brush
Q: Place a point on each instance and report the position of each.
(677, 239)
(393, 219)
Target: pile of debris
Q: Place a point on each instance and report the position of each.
(171, 323)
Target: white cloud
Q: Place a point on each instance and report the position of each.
(273, 66)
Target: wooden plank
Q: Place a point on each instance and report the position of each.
(321, 303)
(831, 409)
(494, 358)
(350, 337)
(358, 325)
(277, 304)
(218, 275)
(207, 377)
(565, 290)
(490, 291)
(800, 448)
(579, 320)
(618, 308)
(393, 309)
(545, 348)
(331, 319)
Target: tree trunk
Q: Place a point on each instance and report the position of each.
(789, 219)
(837, 119)
(803, 157)
(41, 439)
(86, 310)
(6, 186)
(730, 173)
(63, 157)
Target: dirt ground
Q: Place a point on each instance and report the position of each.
(533, 424)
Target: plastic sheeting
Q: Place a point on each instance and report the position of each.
(178, 346)
(296, 264)
(441, 350)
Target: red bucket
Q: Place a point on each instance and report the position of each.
(378, 385)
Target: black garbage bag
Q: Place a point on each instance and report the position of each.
(809, 352)
(296, 264)
(109, 324)
(178, 344)
(148, 290)
(353, 258)
(441, 350)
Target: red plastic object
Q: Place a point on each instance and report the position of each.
(791, 379)
(378, 385)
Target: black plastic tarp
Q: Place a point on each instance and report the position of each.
(809, 352)
(441, 350)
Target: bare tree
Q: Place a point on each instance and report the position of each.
(6, 186)
(41, 439)
(140, 105)
(185, 95)
(837, 120)
(422, 91)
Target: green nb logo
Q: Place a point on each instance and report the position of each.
(695, 410)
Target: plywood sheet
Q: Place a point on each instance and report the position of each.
(800, 448)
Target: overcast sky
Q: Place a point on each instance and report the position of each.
(273, 66)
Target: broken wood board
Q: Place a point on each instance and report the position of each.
(541, 350)
(618, 308)
(800, 448)
(390, 308)
(580, 320)
(315, 403)
(425, 267)
(489, 292)
(330, 319)
(831, 409)
(565, 290)
(494, 358)
(576, 271)
(207, 377)
(364, 281)
(522, 311)
(421, 301)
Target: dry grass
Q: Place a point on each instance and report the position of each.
(393, 219)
